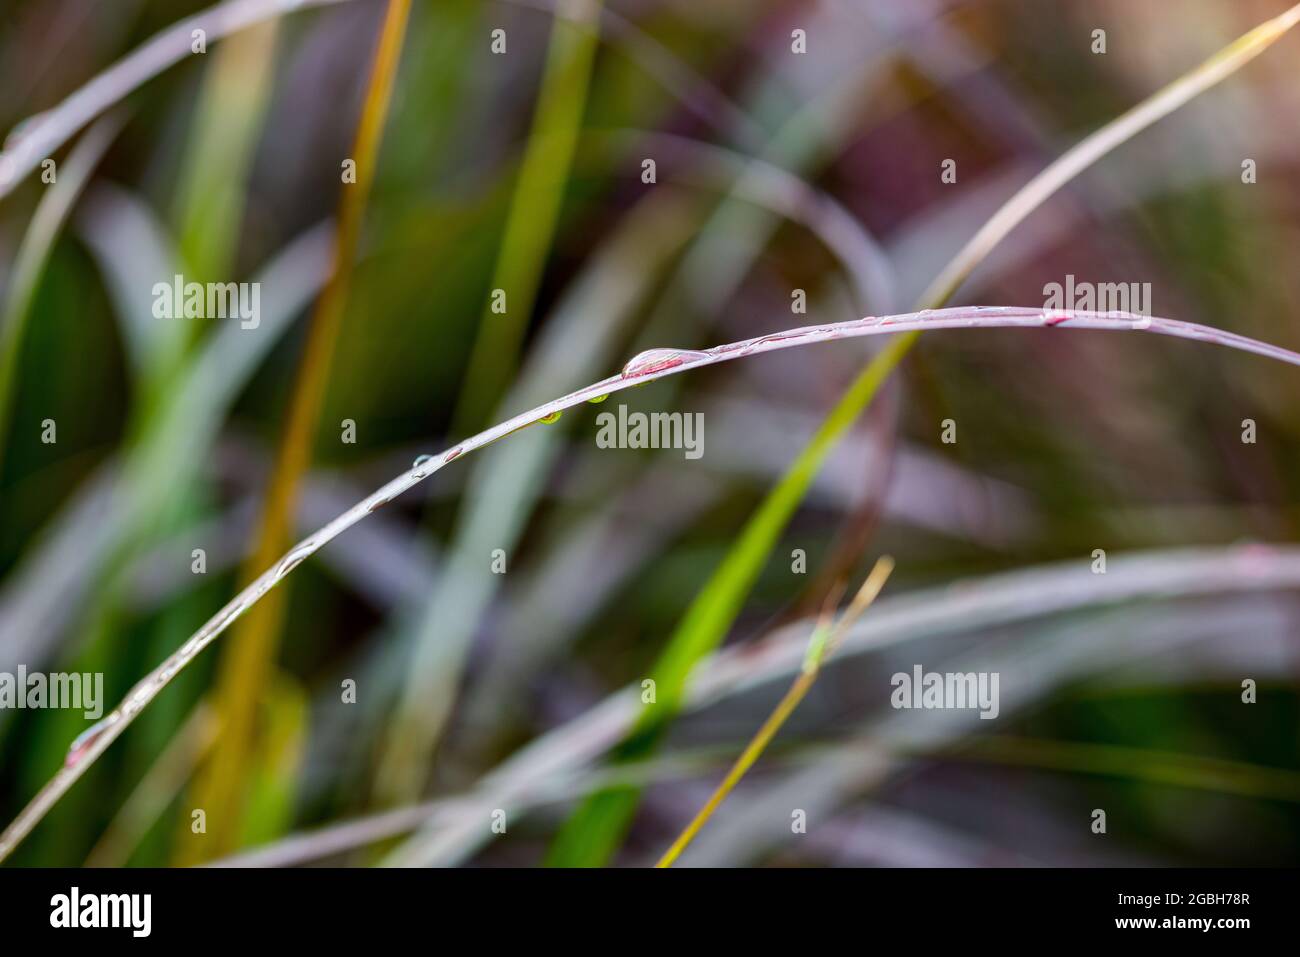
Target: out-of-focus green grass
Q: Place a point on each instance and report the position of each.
(235, 154)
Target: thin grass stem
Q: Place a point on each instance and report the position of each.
(824, 640)
(644, 368)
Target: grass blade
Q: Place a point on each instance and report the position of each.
(822, 644)
(592, 834)
(721, 596)
(529, 231)
(986, 604)
(48, 131)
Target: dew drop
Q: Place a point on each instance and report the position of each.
(82, 742)
(550, 419)
(452, 454)
(422, 466)
(657, 360)
(598, 398)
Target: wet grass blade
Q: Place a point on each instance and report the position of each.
(529, 231)
(592, 834)
(676, 664)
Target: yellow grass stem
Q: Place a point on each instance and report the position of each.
(246, 665)
(821, 646)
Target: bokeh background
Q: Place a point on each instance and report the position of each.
(774, 171)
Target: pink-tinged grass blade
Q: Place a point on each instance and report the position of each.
(642, 368)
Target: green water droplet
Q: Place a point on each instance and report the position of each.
(598, 398)
(548, 419)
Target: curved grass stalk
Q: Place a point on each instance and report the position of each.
(525, 247)
(1092, 148)
(1140, 765)
(39, 136)
(503, 491)
(646, 367)
(112, 504)
(983, 604)
(156, 790)
(358, 832)
(592, 833)
(1048, 660)
(762, 182)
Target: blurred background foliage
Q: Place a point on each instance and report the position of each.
(775, 171)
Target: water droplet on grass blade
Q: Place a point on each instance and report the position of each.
(425, 464)
(551, 418)
(656, 360)
(82, 742)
